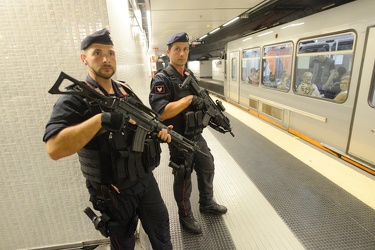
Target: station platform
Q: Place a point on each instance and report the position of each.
(281, 193)
(214, 86)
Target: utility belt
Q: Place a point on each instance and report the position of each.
(121, 165)
(193, 123)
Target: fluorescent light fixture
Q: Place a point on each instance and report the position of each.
(269, 32)
(292, 25)
(231, 21)
(249, 38)
(148, 15)
(214, 30)
(328, 6)
(257, 6)
(202, 37)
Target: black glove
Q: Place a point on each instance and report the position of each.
(113, 121)
(197, 102)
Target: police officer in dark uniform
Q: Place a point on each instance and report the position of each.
(180, 108)
(120, 180)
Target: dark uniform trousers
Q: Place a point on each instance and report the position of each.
(145, 200)
(205, 170)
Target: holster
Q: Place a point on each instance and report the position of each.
(186, 165)
(108, 202)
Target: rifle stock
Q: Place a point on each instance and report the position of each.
(147, 120)
(213, 110)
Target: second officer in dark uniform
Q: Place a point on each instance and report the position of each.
(178, 107)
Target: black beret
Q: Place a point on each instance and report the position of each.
(101, 36)
(179, 37)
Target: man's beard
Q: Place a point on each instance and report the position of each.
(104, 75)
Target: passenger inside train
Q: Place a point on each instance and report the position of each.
(250, 66)
(284, 83)
(333, 90)
(323, 69)
(253, 78)
(307, 87)
(344, 84)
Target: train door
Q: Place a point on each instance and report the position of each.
(234, 76)
(362, 142)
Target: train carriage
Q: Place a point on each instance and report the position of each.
(265, 74)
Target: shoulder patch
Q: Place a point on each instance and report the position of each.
(159, 89)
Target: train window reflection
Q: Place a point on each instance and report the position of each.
(234, 69)
(276, 67)
(250, 66)
(327, 61)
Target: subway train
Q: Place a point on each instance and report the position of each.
(292, 75)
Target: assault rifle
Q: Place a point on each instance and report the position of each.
(148, 121)
(213, 110)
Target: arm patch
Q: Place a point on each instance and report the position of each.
(159, 89)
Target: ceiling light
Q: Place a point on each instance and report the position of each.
(257, 6)
(328, 6)
(249, 38)
(292, 25)
(214, 30)
(202, 37)
(231, 21)
(269, 32)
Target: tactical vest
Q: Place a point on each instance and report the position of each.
(192, 119)
(109, 158)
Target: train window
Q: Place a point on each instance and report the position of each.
(276, 68)
(310, 46)
(250, 66)
(321, 64)
(342, 44)
(234, 69)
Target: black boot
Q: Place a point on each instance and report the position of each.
(190, 224)
(212, 208)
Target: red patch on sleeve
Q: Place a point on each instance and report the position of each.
(159, 89)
